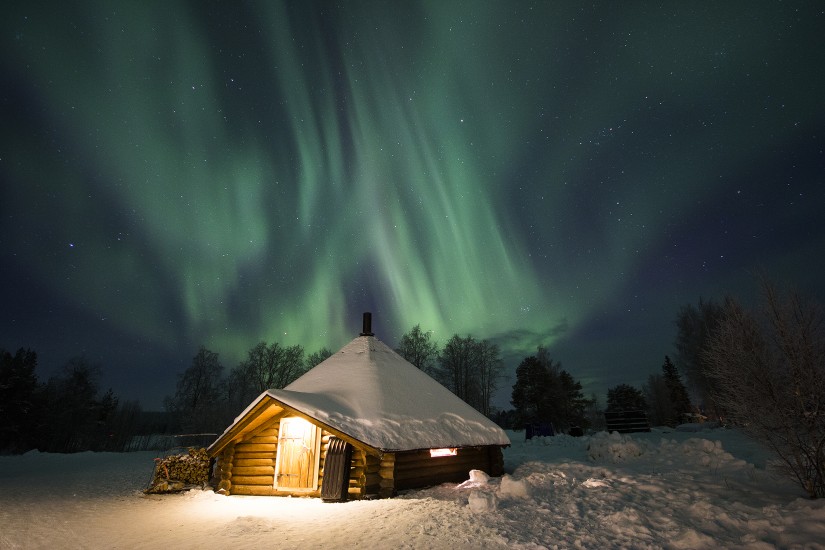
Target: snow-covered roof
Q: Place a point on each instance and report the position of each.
(370, 393)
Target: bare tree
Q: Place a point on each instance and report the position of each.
(489, 372)
(198, 403)
(470, 369)
(314, 359)
(417, 348)
(768, 371)
(271, 366)
(458, 362)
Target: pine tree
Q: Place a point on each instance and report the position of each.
(573, 403)
(679, 399)
(196, 405)
(18, 392)
(530, 392)
(694, 327)
(545, 393)
(625, 398)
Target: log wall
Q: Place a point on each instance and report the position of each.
(414, 469)
(386, 474)
(248, 467)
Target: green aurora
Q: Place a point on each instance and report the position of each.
(178, 174)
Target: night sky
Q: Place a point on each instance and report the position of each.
(177, 174)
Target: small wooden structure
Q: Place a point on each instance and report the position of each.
(626, 422)
(396, 428)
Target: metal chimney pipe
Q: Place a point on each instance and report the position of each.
(367, 330)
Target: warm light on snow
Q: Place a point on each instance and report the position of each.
(662, 489)
(443, 452)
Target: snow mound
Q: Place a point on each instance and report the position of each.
(614, 447)
(478, 478)
(710, 453)
(593, 482)
(558, 440)
(510, 487)
(481, 502)
(685, 491)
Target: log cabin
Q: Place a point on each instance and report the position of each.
(364, 423)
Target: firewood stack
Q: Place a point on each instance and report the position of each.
(177, 472)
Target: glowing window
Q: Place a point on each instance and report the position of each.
(443, 452)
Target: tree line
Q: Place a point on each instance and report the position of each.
(206, 400)
(762, 370)
(468, 367)
(67, 413)
(472, 370)
(70, 413)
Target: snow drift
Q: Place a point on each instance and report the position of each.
(657, 490)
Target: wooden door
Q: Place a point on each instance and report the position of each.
(296, 465)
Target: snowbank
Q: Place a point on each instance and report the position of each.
(665, 489)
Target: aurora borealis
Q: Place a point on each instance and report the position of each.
(185, 173)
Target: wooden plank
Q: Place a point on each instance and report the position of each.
(418, 456)
(461, 470)
(254, 462)
(473, 462)
(273, 439)
(253, 471)
(269, 481)
(270, 455)
(257, 490)
(411, 456)
(426, 481)
(254, 448)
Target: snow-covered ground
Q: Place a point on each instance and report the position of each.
(665, 489)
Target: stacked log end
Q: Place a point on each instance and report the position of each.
(386, 472)
(224, 469)
(176, 472)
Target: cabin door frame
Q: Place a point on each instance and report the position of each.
(298, 455)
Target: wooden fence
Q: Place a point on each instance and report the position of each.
(626, 422)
